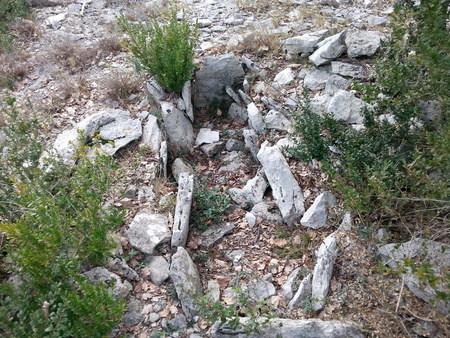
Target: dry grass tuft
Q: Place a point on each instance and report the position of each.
(26, 30)
(120, 84)
(13, 67)
(111, 44)
(73, 56)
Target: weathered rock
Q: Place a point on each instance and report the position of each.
(323, 271)
(211, 80)
(287, 288)
(159, 269)
(304, 45)
(373, 21)
(251, 219)
(186, 94)
(235, 96)
(121, 268)
(187, 282)
(319, 104)
(179, 167)
(285, 189)
(421, 250)
(151, 134)
(133, 314)
(178, 323)
(329, 50)
(334, 83)
(268, 212)
(213, 290)
(252, 193)
(255, 119)
(234, 145)
(111, 125)
(215, 233)
(260, 290)
(285, 77)
(212, 149)
(362, 43)
(233, 161)
(303, 292)
(316, 216)
(120, 290)
(163, 155)
(206, 135)
(251, 140)
(237, 113)
(180, 228)
(249, 65)
(348, 69)
(154, 89)
(316, 80)
(346, 107)
(275, 120)
(287, 328)
(178, 127)
(147, 231)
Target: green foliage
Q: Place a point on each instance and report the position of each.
(165, 49)
(9, 11)
(213, 312)
(209, 205)
(55, 224)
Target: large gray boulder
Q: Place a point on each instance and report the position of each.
(285, 189)
(420, 251)
(186, 280)
(323, 271)
(114, 126)
(362, 43)
(147, 231)
(182, 210)
(179, 129)
(347, 69)
(346, 107)
(292, 328)
(329, 50)
(316, 80)
(211, 80)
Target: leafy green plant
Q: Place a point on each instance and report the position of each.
(208, 205)
(165, 49)
(53, 217)
(230, 315)
(9, 11)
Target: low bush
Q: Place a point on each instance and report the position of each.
(164, 49)
(56, 226)
(9, 11)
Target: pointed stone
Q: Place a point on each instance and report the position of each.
(303, 292)
(316, 216)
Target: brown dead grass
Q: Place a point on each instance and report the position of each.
(13, 67)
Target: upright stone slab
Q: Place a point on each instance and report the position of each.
(186, 280)
(178, 127)
(211, 80)
(182, 210)
(362, 43)
(186, 94)
(255, 119)
(285, 189)
(151, 135)
(323, 271)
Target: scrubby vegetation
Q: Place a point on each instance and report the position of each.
(164, 48)
(56, 227)
(395, 175)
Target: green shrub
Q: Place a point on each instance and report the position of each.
(55, 226)
(165, 49)
(9, 11)
(209, 205)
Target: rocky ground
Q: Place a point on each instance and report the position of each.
(74, 65)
